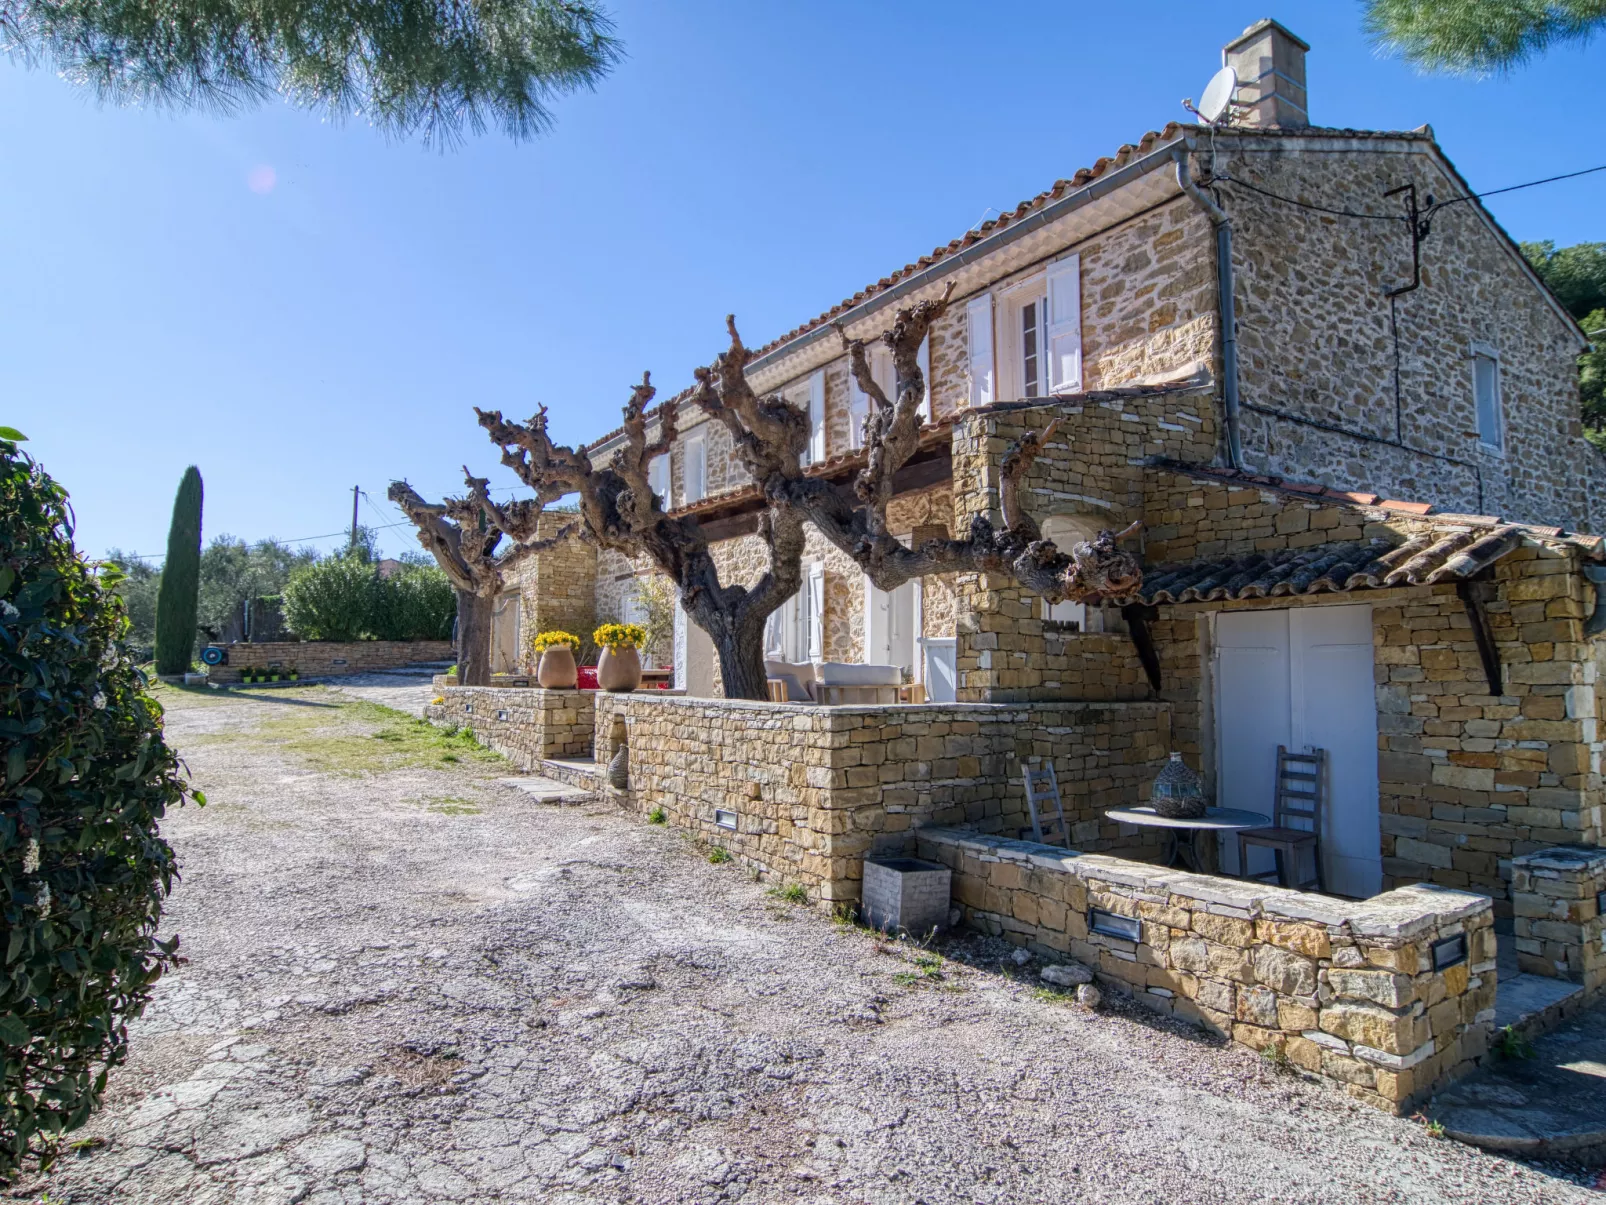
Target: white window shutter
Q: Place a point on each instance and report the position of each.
(817, 417)
(658, 478)
(816, 613)
(858, 410)
(925, 374)
(1065, 325)
(979, 321)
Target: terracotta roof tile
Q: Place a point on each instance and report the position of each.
(1410, 508)
(1422, 560)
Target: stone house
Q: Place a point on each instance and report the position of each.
(1354, 445)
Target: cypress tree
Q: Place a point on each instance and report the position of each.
(179, 593)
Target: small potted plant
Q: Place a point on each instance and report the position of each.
(619, 667)
(557, 670)
(295, 674)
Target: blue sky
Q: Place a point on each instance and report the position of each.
(163, 305)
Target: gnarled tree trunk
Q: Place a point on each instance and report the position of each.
(474, 623)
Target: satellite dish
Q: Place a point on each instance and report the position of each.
(1218, 95)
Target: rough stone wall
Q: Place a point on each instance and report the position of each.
(1315, 339)
(1560, 931)
(1149, 310)
(328, 658)
(1094, 467)
(524, 724)
(817, 788)
(1467, 780)
(1344, 990)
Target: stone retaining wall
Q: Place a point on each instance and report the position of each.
(1346, 990)
(524, 724)
(1560, 932)
(329, 658)
(812, 790)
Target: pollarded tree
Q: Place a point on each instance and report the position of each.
(1095, 571)
(463, 535)
(619, 510)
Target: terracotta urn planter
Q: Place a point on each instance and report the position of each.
(557, 670)
(619, 669)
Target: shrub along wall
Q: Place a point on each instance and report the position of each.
(811, 790)
(329, 658)
(1347, 990)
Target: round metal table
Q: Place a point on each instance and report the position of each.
(1180, 833)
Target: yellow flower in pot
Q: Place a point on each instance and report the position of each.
(556, 650)
(619, 667)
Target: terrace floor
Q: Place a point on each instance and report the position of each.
(409, 981)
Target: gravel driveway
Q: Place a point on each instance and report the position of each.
(410, 983)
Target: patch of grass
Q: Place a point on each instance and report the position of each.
(1509, 1044)
(359, 737)
(1433, 1129)
(719, 854)
(928, 969)
(453, 805)
(657, 816)
(1276, 1058)
(792, 893)
(844, 916)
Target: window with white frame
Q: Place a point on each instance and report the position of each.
(808, 395)
(1026, 339)
(1486, 397)
(658, 478)
(694, 468)
(795, 632)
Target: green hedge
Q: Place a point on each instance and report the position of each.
(344, 598)
(87, 778)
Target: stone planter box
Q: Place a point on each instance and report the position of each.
(906, 893)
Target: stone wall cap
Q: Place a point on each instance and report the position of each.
(1582, 859)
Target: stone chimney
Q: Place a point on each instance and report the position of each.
(1270, 63)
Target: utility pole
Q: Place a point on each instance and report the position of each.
(352, 546)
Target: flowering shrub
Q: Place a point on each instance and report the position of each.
(84, 783)
(617, 635)
(546, 640)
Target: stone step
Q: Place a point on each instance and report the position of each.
(1545, 1101)
(576, 772)
(547, 790)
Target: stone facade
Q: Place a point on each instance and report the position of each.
(1345, 990)
(1320, 340)
(1560, 932)
(524, 724)
(328, 658)
(815, 789)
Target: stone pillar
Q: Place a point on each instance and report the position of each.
(1556, 896)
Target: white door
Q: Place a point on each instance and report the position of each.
(892, 626)
(505, 634)
(1302, 678)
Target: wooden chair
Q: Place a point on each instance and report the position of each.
(1043, 802)
(1301, 787)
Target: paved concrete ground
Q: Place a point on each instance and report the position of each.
(1545, 1098)
(409, 983)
